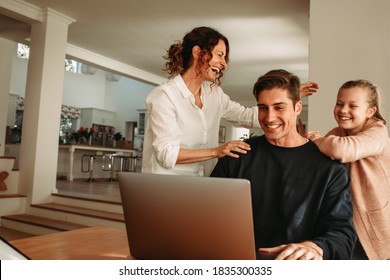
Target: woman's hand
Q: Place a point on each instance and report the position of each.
(308, 88)
(231, 148)
(198, 155)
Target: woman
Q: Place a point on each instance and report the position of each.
(361, 140)
(181, 135)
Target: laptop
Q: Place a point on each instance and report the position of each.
(9, 252)
(170, 217)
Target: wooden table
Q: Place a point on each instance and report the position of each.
(91, 243)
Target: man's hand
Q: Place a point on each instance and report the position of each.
(296, 251)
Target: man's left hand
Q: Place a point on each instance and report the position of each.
(296, 251)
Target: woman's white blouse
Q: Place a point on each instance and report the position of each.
(174, 122)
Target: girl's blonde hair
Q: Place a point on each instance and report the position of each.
(373, 96)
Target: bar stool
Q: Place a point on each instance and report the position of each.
(108, 164)
(89, 159)
(121, 162)
(130, 163)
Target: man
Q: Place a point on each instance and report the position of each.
(300, 198)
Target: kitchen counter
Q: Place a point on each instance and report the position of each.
(69, 159)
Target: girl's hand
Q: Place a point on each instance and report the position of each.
(313, 135)
(308, 88)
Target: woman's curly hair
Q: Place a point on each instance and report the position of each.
(179, 55)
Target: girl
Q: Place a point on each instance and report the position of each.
(361, 140)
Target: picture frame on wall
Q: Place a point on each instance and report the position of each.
(222, 134)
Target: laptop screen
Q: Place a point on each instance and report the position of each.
(186, 217)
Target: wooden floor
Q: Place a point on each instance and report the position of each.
(100, 189)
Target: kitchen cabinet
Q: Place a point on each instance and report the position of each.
(142, 119)
(102, 135)
(91, 116)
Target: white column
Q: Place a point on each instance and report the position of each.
(42, 112)
(7, 49)
(349, 40)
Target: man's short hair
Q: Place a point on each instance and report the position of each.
(279, 79)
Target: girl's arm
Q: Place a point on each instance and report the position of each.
(369, 142)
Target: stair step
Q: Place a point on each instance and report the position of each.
(89, 197)
(11, 195)
(43, 222)
(11, 234)
(82, 211)
(7, 163)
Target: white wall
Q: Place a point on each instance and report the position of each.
(349, 39)
(238, 132)
(84, 91)
(19, 75)
(6, 48)
(125, 97)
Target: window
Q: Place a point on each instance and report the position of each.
(16, 131)
(23, 51)
(66, 129)
(70, 65)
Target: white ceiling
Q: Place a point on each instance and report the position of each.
(263, 34)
